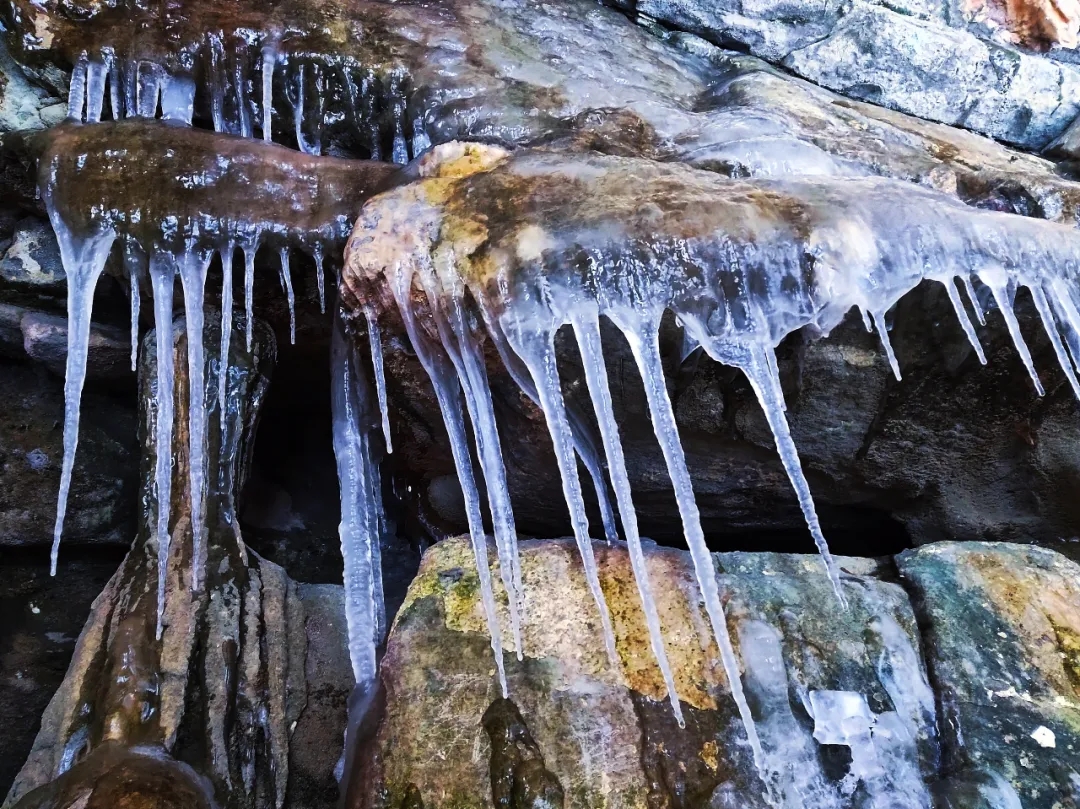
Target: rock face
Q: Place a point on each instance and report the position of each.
(1002, 641)
(603, 737)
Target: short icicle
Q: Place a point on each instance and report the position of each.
(441, 373)
(83, 260)
(131, 259)
(1049, 324)
(1001, 297)
(162, 272)
(642, 337)
(965, 321)
(320, 279)
(536, 347)
(286, 277)
(375, 339)
(886, 343)
(764, 379)
(193, 267)
(77, 89)
(226, 327)
(587, 330)
(96, 74)
(269, 60)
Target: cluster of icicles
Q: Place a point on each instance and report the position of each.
(384, 115)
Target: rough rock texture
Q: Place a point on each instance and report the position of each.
(25, 104)
(1002, 640)
(102, 501)
(32, 261)
(604, 737)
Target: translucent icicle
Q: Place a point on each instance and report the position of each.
(161, 277)
(77, 89)
(587, 330)
(116, 102)
(420, 140)
(298, 113)
(642, 337)
(1047, 317)
(886, 343)
(217, 82)
(976, 307)
(965, 322)
(193, 267)
(269, 60)
(243, 113)
(149, 87)
(537, 350)
(867, 323)
(131, 259)
(766, 384)
(320, 279)
(178, 99)
(441, 374)
(84, 261)
(226, 327)
(319, 113)
(131, 89)
(96, 74)
(1067, 315)
(286, 277)
(249, 289)
(1002, 298)
(359, 528)
(375, 339)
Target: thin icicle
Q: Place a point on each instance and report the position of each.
(537, 351)
(420, 140)
(886, 343)
(976, 307)
(269, 60)
(243, 113)
(77, 89)
(162, 272)
(83, 260)
(286, 279)
(1001, 297)
(867, 323)
(298, 113)
(766, 384)
(193, 267)
(148, 83)
(217, 82)
(320, 278)
(965, 322)
(446, 393)
(642, 337)
(249, 288)
(375, 339)
(1068, 316)
(1047, 317)
(226, 328)
(587, 330)
(96, 74)
(131, 258)
(116, 103)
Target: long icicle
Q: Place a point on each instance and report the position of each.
(587, 330)
(269, 60)
(537, 351)
(77, 89)
(132, 258)
(286, 277)
(965, 321)
(226, 327)
(446, 393)
(84, 261)
(320, 279)
(765, 380)
(193, 267)
(976, 307)
(1067, 315)
(886, 343)
(375, 339)
(162, 272)
(1047, 317)
(1001, 297)
(249, 288)
(642, 337)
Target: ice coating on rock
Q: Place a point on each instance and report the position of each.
(359, 529)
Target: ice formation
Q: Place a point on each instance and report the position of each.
(509, 248)
(172, 198)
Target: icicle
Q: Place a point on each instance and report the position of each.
(367, 102)
(1067, 315)
(131, 89)
(1047, 317)
(883, 333)
(320, 108)
(460, 345)
(420, 141)
(400, 154)
(298, 113)
(867, 323)
(178, 99)
(217, 82)
(115, 85)
(359, 528)
(161, 277)
(240, 85)
(965, 322)
(320, 278)
(975, 305)
(269, 60)
(375, 340)
(96, 74)
(149, 88)
(226, 327)
(764, 379)
(537, 351)
(249, 287)
(286, 277)
(446, 393)
(83, 260)
(77, 89)
(193, 267)
(587, 330)
(132, 261)
(642, 337)
(1001, 297)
